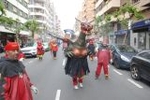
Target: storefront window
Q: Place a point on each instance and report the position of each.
(134, 41)
(142, 41)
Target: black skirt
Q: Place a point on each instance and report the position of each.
(77, 66)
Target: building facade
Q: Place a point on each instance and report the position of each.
(141, 28)
(87, 13)
(137, 32)
(43, 12)
(15, 9)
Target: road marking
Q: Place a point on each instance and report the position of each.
(30, 62)
(117, 72)
(58, 95)
(136, 84)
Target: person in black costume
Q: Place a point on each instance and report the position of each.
(91, 47)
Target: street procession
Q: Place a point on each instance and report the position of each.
(74, 49)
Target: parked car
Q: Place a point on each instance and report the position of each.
(30, 50)
(140, 65)
(121, 55)
(46, 46)
(1, 49)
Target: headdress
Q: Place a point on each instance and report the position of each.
(12, 46)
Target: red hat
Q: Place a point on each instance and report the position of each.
(12, 46)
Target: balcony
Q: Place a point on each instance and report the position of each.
(146, 3)
(142, 5)
(109, 6)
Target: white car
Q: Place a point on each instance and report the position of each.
(30, 50)
(46, 46)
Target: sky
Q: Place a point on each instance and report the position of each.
(67, 10)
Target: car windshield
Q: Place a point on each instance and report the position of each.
(30, 45)
(45, 44)
(125, 48)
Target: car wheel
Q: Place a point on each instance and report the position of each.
(116, 64)
(135, 72)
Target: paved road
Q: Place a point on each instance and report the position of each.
(48, 75)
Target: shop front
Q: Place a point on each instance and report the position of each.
(122, 37)
(6, 35)
(142, 31)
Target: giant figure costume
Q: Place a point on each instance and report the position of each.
(76, 53)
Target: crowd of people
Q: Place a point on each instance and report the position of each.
(12, 70)
(15, 83)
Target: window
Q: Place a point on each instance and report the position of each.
(21, 13)
(134, 41)
(15, 9)
(142, 40)
(6, 4)
(135, 1)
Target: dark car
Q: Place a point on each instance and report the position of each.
(140, 65)
(121, 55)
(1, 49)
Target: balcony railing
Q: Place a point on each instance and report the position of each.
(109, 6)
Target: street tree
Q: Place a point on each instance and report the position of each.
(33, 26)
(125, 14)
(103, 25)
(2, 8)
(13, 25)
(17, 27)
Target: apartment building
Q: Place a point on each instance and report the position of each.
(103, 7)
(141, 28)
(87, 13)
(43, 12)
(138, 41)
(15, 9)
(88, 10)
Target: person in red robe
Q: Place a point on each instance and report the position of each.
(54, 48)
(40, 50)
(104, 56)
(14, 81)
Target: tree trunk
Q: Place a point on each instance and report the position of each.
(32, 35)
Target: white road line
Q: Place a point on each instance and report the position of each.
(30, 62)
(136, 84)
(117, 72)
(58, 95)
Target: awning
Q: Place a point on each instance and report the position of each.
(143, 25)
(122, 32)
(4, 30)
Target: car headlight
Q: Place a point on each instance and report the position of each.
(125, 58)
